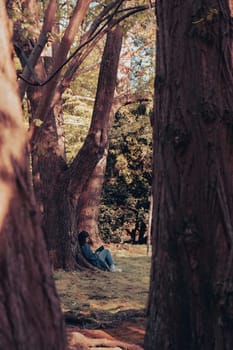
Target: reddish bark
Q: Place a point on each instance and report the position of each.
(191, 296)
(48, 159)
(102, 119)
(76, 183)
(29, 307)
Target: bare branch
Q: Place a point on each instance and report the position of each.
(67, 40)
(35, 54)
(90, 36)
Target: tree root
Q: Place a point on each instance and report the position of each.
(78, 341)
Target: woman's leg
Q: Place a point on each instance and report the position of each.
(106, 256)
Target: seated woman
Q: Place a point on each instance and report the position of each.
(101, 258)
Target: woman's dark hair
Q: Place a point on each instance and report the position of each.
(82, 237)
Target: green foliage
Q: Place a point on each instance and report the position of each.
(78, 102)
(127, 186)
(126, 190)
(37, 122)
(77, 116)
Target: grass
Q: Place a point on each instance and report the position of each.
(98, 299)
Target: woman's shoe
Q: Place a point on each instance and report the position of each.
(114, 268)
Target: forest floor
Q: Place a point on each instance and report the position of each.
(105, 310)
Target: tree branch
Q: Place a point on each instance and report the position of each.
(94, 39)
(89, 37)
(36, 52)
(67, 40)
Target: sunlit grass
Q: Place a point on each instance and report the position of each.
(103, 295)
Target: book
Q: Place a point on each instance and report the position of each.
(98, 250)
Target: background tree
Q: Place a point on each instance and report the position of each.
(128, 176)
(127, 186)
(86, 202)
(127, 92)
(29, 308)
(191, 300)
(47, 144)
(88, 206)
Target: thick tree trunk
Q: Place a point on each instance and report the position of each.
(48, 163)
(70, 185)
(30, 313)
(191, 299)
(48, 155)
(29, 307)
(77, 186)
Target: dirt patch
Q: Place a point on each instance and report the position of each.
(132, 332)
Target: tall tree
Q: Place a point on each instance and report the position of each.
(88, 205)
(84, 190)
(124, 95)
(29, 308)
(49, 165)
(191, 299)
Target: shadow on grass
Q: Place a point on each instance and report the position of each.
(114, 302)
(102, 319)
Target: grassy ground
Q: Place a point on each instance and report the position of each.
(104, 300)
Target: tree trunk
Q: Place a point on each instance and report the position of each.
(47, 143)
(49, 166)
(102, 119)
(48, 159)
(88, 204)
(62, 220)
(30, 313)
(29, 307)
(77, 185)
(191, 299)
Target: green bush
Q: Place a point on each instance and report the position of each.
(127, 186)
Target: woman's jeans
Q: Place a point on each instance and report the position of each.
(106, 257)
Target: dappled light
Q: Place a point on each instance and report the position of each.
(116, 228)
